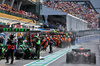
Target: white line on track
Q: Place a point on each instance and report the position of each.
(55, 59)
(60, 56)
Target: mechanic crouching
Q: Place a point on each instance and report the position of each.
(10, 51)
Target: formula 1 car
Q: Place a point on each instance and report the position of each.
(81, 56)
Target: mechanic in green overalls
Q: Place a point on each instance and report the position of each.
(1, 45)
(37, 47)
(20, 42)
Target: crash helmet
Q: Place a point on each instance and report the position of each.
(70, 33)
(81, 48)
(63, 35)
(68, 36)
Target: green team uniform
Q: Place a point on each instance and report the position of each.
(37, 47)
(1, 45)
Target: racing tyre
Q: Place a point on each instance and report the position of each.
(19, 53)
(93, 58)
(27, 53)
(33, 52)
(69, 58)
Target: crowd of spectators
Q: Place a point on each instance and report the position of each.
(75, 9)
(16, 11)
(56, 25)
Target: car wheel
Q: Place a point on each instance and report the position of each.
(69, 58)
(33, 53)
(93, 58)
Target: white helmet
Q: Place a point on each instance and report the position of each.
(68, 36)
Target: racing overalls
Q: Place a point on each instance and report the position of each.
(1, 45)
(59, 42)
(10, 50)
(21, 43)
(51, 42)
(69, 41)
(37, 47)
(56, 40)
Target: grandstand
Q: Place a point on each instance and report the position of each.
(85, 2)
(4, 22)
(82, 9)
(20, 10)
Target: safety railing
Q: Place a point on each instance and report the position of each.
(82, 33)
(14, 14)
(2, 23)
(87, 38)
(67, 0)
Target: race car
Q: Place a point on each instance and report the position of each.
(81, 56)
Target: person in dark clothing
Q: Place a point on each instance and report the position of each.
(1, 45)
(12, 56)
(51, 42)
(72, 40)
(10, 51)
(11, 37)
(20, 41)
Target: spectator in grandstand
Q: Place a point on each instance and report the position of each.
(24, 13)
(74, 9)
(30, 14)
(0, 7)
(21, 12)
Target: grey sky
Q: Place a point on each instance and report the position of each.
(96, 4)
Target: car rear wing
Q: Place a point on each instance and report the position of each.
(78, 50)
